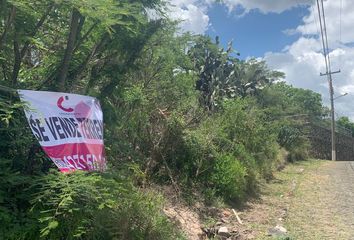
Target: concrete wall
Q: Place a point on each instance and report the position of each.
(320, 139)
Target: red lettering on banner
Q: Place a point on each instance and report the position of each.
(77, 156)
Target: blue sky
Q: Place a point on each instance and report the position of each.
(257, 28)
(255, 33)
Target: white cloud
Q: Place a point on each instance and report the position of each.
(264, 6)
(302, 63)
(302, 69)
(192, 14)
(339, 22)
(302, 46)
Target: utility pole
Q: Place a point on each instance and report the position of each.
(333, 123)
(321, 15)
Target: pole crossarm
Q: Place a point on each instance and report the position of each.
(329, 73)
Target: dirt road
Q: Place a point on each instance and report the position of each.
(323, 203)
(313, 200)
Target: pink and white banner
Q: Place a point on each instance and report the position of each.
(69, 128)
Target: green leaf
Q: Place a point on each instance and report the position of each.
(53, 224)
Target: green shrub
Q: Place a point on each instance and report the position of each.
(209, 151)
(300, 152)
(199, 153)
(229, 177)
(294, 139)
(14, 204)
(245, 124)
(97, 206)
(253, 172)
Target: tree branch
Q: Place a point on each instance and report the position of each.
(17, 60)
(96, 48)
(83, 38)
(19, 54)
(51, 77)
(37, 27)
(64, 68)
(133, 54)
(4, 71)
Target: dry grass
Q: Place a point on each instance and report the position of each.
(312, 199)
(314, 212)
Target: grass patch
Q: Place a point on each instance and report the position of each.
(277, 199)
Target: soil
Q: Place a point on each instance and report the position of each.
(186, 218)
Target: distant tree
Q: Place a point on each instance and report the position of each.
(291, 109)
(285, 100)
(345, 122)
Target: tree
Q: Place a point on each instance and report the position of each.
(291, 109)
(33, 33)
(285, 100)
(344, 122)
(222, 75)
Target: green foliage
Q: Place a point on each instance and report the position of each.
(246, 125)
(96, 206)
(346, 124)
(14, 204)
(231, 156)
(179, 109)
(293, 137)
(7, 110)
(110, 37)
(291, 109)
(222, 76)
(229, 177)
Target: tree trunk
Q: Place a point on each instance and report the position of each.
(84, 37)
(96, 48)
(64, 68)
(4, 72)
(17, 61)
(20, 54)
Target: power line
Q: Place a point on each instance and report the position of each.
(340, 30)
(325, 34)
(340, 22)
(322, 37)
(314, 16)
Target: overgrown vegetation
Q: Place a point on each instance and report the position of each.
(179, 109)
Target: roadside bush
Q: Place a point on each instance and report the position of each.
(200, 147)
(294, 139)
(14, 204)
(97, 206)
(252, 170)
(229, 177)
(226, 151)
(300, 152)
(254, 139)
